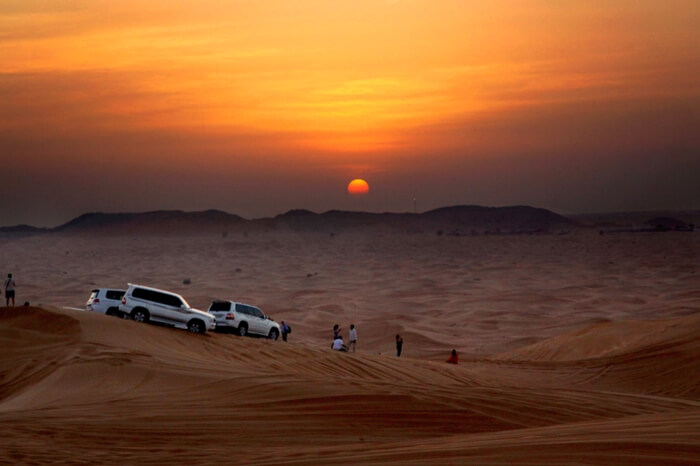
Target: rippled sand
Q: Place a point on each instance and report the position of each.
(575, 349)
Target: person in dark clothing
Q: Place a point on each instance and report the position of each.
(285, 329)
(336, 331)
(10, 289)
(399, 345)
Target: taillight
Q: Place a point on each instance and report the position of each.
(124, 300)
(230, 316)
(96, 300)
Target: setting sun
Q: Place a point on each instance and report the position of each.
(358, 187)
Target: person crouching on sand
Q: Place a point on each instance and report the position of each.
(453, 359)
(338, 344)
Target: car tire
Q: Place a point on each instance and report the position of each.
(196, 326)
(274, 334)
(112, 311)
(243, 329)
(140, 315)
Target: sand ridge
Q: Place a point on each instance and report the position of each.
(148, 395)
(574, 349)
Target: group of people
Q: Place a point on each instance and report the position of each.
(339, 345)
(10, 290)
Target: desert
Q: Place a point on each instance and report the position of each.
(575, 348)
(498, 199)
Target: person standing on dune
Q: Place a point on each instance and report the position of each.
(286, 329)
(10, 290)
(352, 337)
(399, 345)
(453, 359)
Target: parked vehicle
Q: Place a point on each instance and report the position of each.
(145, 304)
(244, 319)
(106, 301)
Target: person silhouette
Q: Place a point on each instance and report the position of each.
(10, 289)
(453, 359)
(352, 337)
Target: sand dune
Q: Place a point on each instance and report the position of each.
(85, 388)
(574, 349)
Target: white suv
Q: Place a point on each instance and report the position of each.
(146, 304)
(243, 318)
(106, 301)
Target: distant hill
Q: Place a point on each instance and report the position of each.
(641, 222)
(158, 222)
(632, 219)
(454, 220)
(21, 230)
(496, 220)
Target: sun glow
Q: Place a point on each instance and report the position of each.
(358, 187)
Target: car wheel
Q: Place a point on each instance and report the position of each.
(110, 312)
(139, 315)
(243, 329)
(196, 326)
(274, 334)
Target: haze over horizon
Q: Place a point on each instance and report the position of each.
(256, 108)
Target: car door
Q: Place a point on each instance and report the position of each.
(169, 309)
(257, 319)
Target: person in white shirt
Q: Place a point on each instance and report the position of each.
(338, 344)
(353, 337)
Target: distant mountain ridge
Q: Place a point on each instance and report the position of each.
(454, 220)
(151, 222)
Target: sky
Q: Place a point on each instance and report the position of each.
(256, 107)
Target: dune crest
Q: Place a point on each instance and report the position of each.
(83, 387)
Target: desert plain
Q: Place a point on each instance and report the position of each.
(574, 348)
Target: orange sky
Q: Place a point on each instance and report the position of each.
(294, 99)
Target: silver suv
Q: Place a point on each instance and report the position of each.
(244, 319)
(106, 301)
(145, 304)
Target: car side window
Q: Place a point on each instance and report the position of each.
(157, 297)
(257, 313)
(243, 309)
(220, 306)
(114, 294)
(170, 300)
(140, 293)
